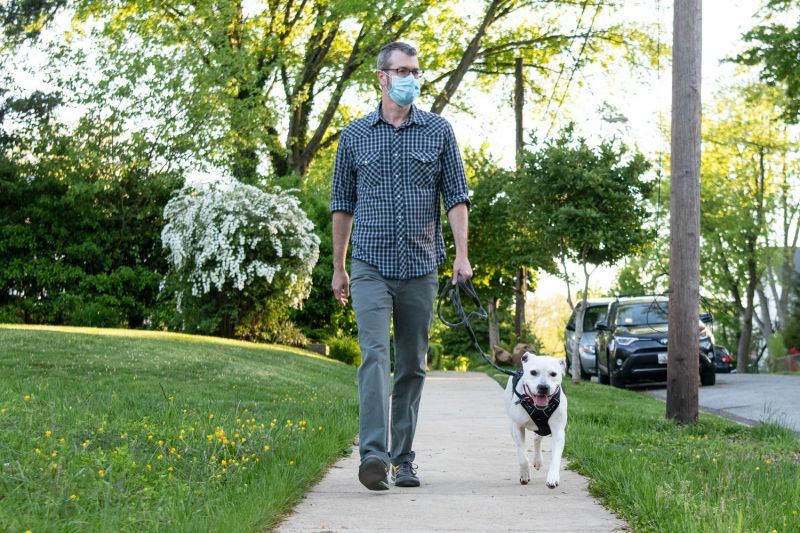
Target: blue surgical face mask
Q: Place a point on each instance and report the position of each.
(404, 90)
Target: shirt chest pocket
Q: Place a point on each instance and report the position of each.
(368, 169)
(423, 168)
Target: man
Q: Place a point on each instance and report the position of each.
(391, 168)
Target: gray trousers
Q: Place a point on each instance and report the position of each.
(409, 303)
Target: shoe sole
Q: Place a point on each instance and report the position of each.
(372, 474)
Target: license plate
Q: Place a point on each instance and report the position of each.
(662, 358)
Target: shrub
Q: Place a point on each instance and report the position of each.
(345, 349)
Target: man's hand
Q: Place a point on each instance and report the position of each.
(341, 285)
(461, 266)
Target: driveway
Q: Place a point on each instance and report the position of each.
(751, 398)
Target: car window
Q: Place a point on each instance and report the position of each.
(642, 314)
(592, 316)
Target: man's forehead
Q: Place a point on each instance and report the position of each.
(399, 58)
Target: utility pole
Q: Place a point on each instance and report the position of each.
(684, 251)
(521, 285)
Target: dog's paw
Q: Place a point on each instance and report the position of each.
(524, 474)
(537, 461)
(552, 482)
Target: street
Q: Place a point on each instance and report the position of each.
(751, 398)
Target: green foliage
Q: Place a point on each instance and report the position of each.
(345, 349)
(588, 202)
(80, 217)
(143, 425)
(774, 49)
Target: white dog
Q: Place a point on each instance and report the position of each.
(538, 391)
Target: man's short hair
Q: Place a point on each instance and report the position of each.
(386, 52)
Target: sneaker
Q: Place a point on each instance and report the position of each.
(405, 475)
(373, 473)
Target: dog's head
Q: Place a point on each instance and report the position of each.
(541, 377)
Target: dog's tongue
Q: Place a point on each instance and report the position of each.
(540, 400)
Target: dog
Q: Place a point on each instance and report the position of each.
(538, 389)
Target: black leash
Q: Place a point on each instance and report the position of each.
(454, 292)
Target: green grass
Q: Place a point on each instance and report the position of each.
(715, 476)
(115, 430)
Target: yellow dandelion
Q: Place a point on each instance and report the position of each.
(148, 467)
(53, 466)
(73, 497)
(252, 456)
(101, 473)
(233, 443)
(86, 443)
(177, 456)
(61, 440)
(170, 469)
(219, 476)
(159, 457)
(172, 451)
(211, 417)
(238, 420)
(291, 462)
(170, 397)
(37, 451)
(224, 462)
(224, 470)
(54, 455)
(3, 410)
(213, 458)
(47, 434)
(758, 468)
(319, 428)
(258, 460)
(123, 436)
(768, 461)
(150, 437)
(244, 439)
(209, 437)
(28, 531)
(697, 456)
(266, 447)
(160, 443)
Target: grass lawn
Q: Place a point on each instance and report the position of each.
(115, 430)
(716, 476)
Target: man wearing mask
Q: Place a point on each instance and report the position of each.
(392, 166)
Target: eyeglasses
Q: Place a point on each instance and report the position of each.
(403, 72)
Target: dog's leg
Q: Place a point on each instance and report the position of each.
(537, 451)
(555, 458)
(518, 434)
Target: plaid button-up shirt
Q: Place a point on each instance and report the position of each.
(391, 180)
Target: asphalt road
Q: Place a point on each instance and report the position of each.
(751, 398)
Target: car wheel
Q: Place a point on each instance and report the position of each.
(708, 378)
(603, 378)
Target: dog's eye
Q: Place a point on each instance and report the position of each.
(552, 374)
(534, 373)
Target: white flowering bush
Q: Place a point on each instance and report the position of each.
(240, 248)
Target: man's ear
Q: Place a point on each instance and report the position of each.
(525, 357)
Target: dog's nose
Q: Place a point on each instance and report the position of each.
(542, 389)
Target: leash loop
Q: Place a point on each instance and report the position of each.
(454, 293)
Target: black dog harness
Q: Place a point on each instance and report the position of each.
(539, 415)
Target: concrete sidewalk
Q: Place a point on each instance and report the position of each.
(469, 473)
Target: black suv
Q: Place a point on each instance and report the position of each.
(631, 344)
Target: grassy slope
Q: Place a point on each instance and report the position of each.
(660, 476)
(125, 430)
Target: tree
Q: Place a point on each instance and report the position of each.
(499, 244)
(775, 51)
(746, 168)
(239, 258)
(588, 202)
(241, 83)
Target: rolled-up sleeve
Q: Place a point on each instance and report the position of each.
(343, 190)
(454, 180)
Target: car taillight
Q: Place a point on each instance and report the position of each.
(726, 359)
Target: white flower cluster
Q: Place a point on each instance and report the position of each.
(226, 235)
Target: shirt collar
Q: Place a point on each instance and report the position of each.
(414, 118)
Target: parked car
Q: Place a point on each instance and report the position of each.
(631, 344)
(595, 312)
(723, 359)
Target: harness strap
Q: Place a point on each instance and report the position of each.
(540, 416)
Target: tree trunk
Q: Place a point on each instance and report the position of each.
(494, 325)
(520, 290)
(746, 319)
(684, 258)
